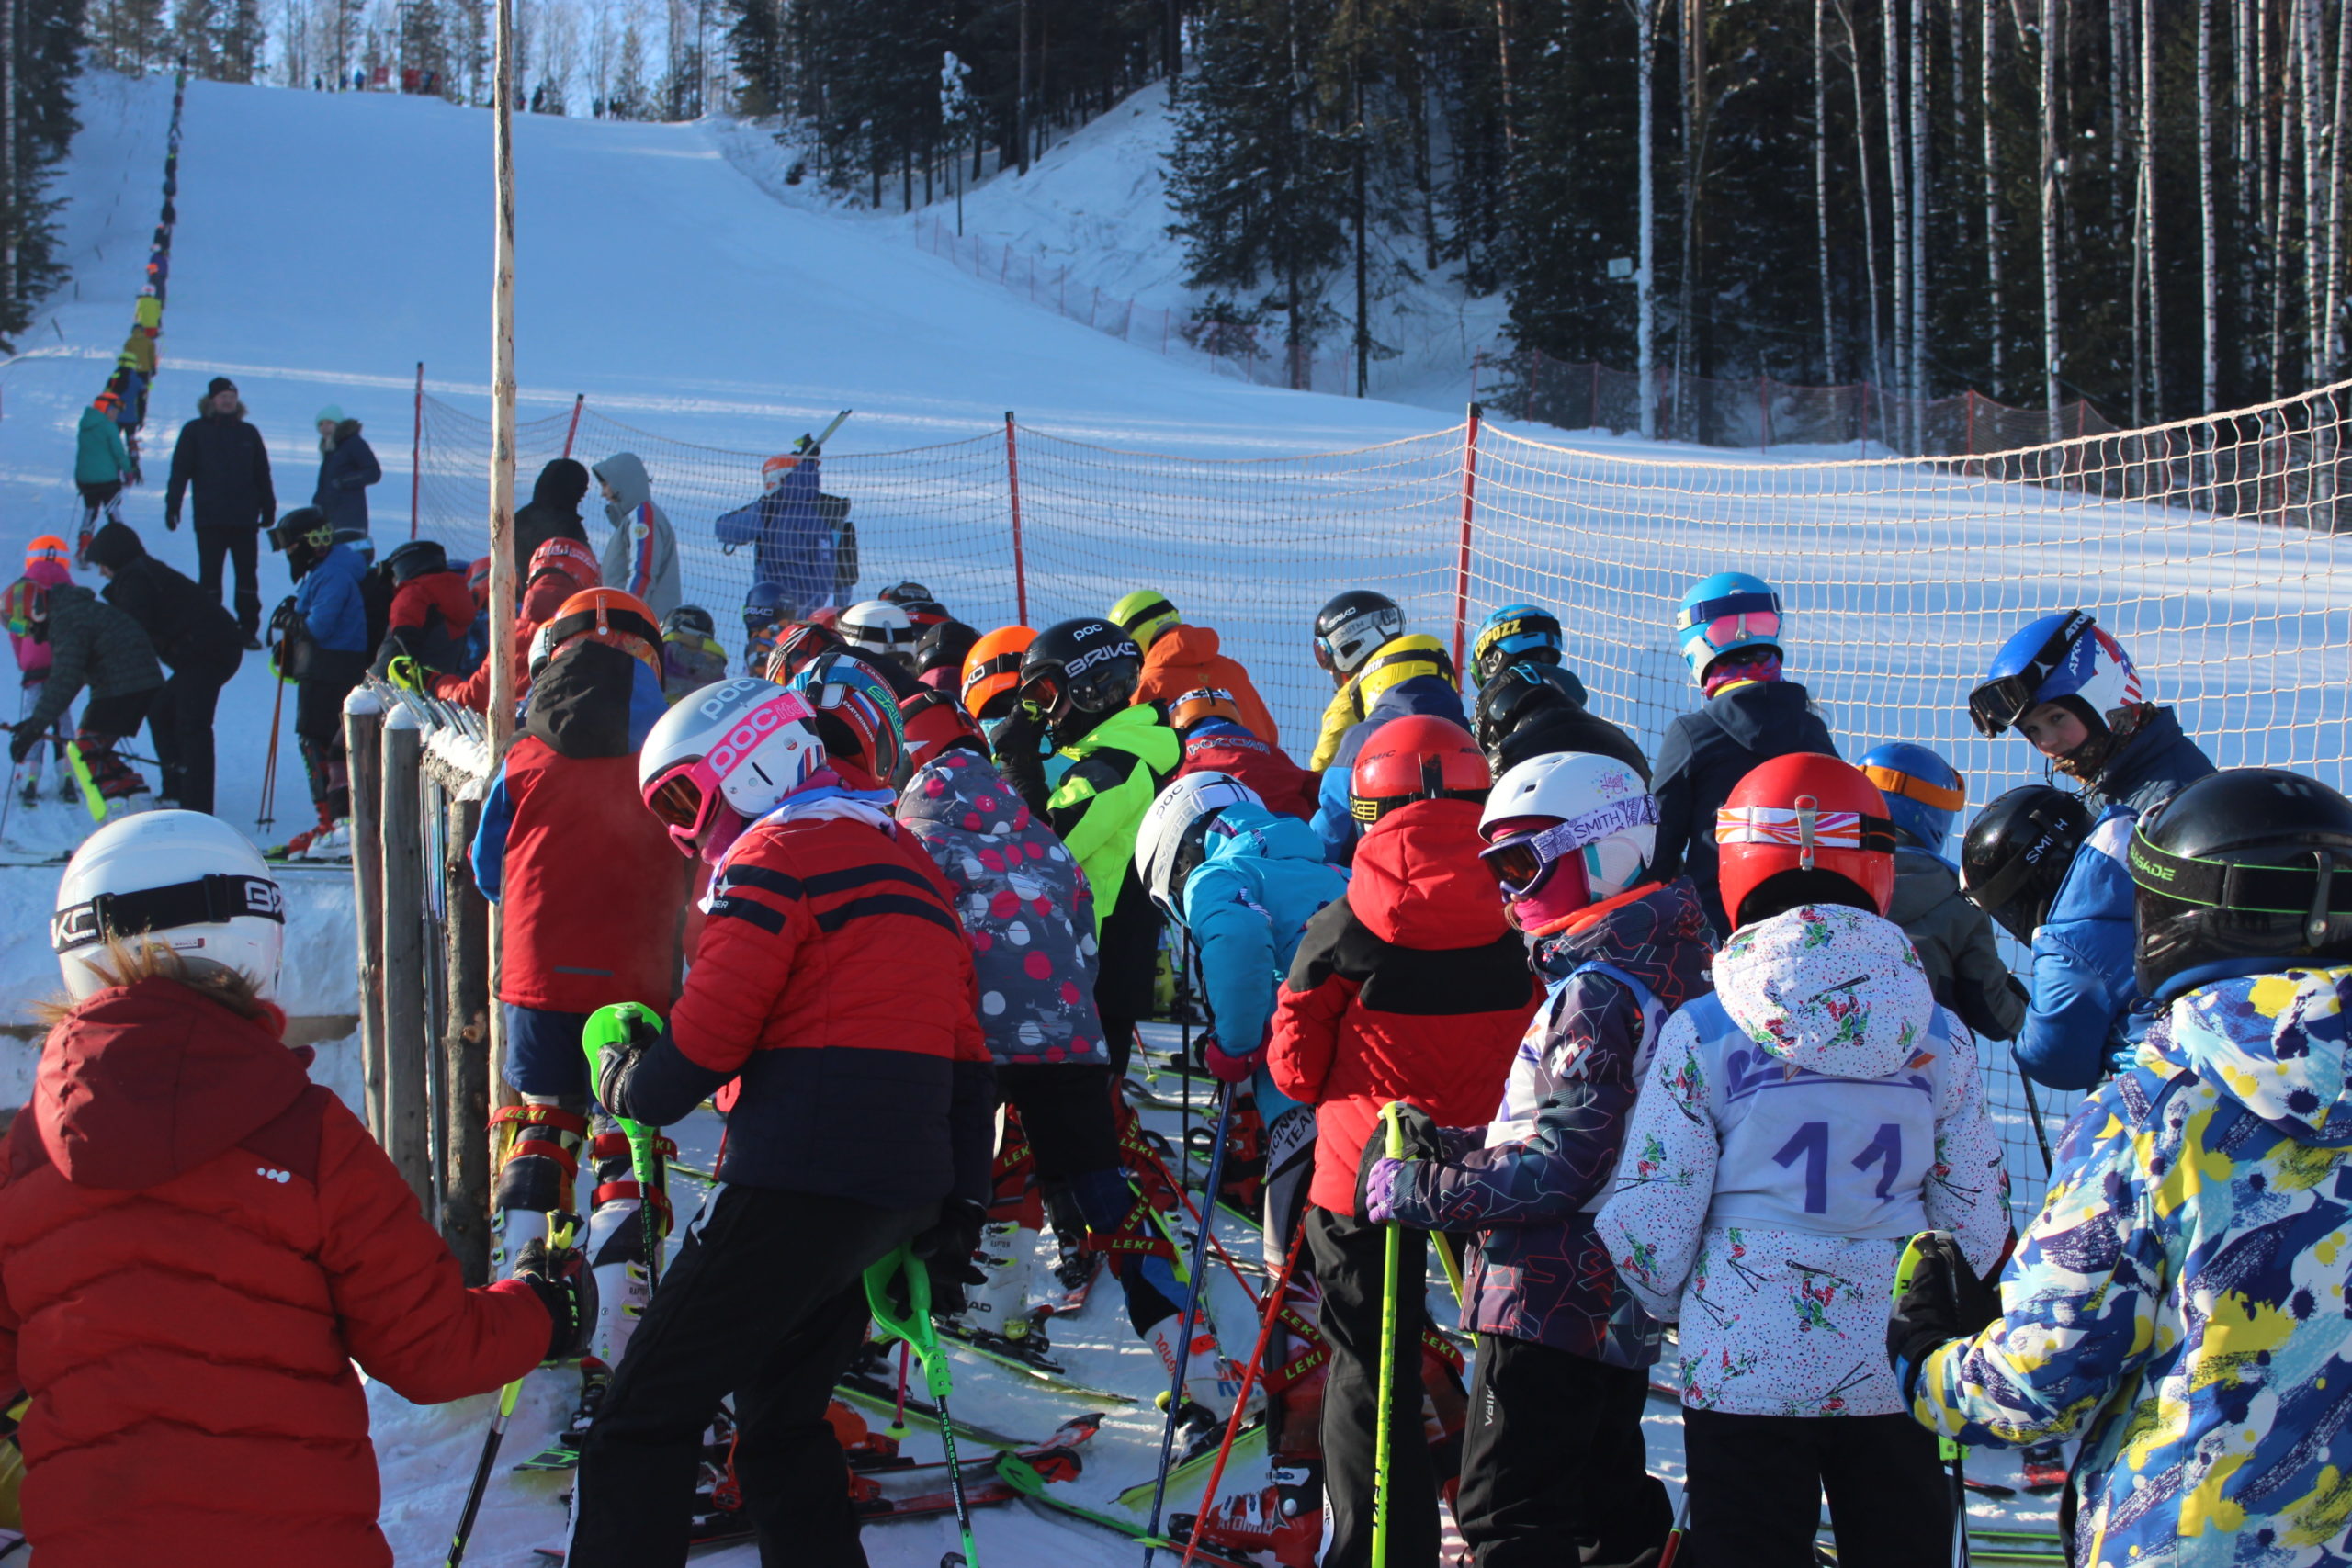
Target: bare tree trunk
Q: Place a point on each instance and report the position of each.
(1897, 188)
(2274, 176)
(10, 212)
(2147, 155)
(2330, 338)
(2207, 299)
(2314, 86)
(1821, 191)
(1502, 67)
(1986, 41)
(1862, 172)
(1694, 143)
(1020, 92)
(1918, 87)
(2050, 345)
(1646, 160)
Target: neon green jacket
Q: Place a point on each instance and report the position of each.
(1115, 770)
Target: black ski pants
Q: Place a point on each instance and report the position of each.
(1755, 1485)
(240, 547)
(1553, 1452)
(765, 1301)
(181, 724)
(1348, 1254)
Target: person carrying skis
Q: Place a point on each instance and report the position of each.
(640, 555)
(1729, 629)
(1412, 988)
(1208, 721)
(1952, 937)
(197, 642)
(91, 644)
(1408, 675)
(202, 1252)
(1177, 657)
(792, 543)
(820, 909)
(47, 564)
(1796, 1126)
(562, 826)
(322, 645)
(2177, 1305)
(2069, 688)
(101, 463)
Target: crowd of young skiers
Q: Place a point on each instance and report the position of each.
(1675, 1062)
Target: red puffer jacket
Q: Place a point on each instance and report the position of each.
(1219, 745)
(435, 612)
(544, 594)
(196, 1244)
(1412, 987)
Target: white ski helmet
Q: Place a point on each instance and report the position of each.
(1172, 839)
(876, 625)
(746, 742)
(185, 880)
(1593, 810)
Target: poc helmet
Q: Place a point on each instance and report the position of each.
(2248, 862)
(1514, 635)
(1923, 792)
(1724, 614)
(738, 746)
(185, 880)
(1804, 829)
(1077, 673)
(1173, 836)
(1566, 830)
(1351, 626)
(2016, 853)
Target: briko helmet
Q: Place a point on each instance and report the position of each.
(608, 616)
(1173, 837)
(2065, 658)
(1723, 614)
(739, 746)
(1078, 671)
(1923, 792)
(763, 605)
(185, 880)
(2245, 863)
(1514, 635)
(417, 557)
(48, 549)
(992, 671)
(1144, 615)
(2016, 853)
(1417, 757)
(1511, 698)
(856, 713)
(1200, 705)
(942, 646)
(1351, 626)
(1566, 830)
(1803, 829)
(934, 722)
(876, 625)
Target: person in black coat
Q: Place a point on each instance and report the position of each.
(552, 512)
(199, 644)
(347, 466)
(222, 459)
(1525, 710)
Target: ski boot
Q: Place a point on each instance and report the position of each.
(996, 1313)
(1211, 1383)
(617, 1239)
(1075, 1267)
(537, 1168)
(1255, 1521)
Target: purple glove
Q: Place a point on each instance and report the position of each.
(1224, 1066)
(1380, 1190)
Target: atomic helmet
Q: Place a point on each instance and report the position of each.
(1417, 757)
(1923, 791)
(1566, 830)
(567, 558)
(1201, 704)
(1077, 673)
(876, 625)
(2245, 863)
(607, 615)
(797, 646)
(1804, 829)
(48, 549)
(739, 746)
(1144, 615)
(1511, 698)
(2065, 658)
(992, 671)
(417, 557)
(772, 471)
(856, 713)
(1514, 635)
(2016, 853)
(1719, 614)
(185, 880)
(942, 646)
(1173, 837)
(934, 723)
(1351, 626)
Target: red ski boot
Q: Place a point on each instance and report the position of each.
(1254, 1521)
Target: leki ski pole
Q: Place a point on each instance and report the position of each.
(1384, 1434)
(911, 1325)
(1188, 1320)
(560, 1233)
(1242, 1402)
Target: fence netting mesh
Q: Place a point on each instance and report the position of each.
(2206, 547)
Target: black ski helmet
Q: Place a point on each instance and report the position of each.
(2016, 852)
(692, 619)
(2248, 862)
(416, 559)
(942, 646)
(1077, 673)
(1512, 696)
(1350, 627)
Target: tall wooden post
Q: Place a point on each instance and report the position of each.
(465, 1047)
(363, 714)
(407, 1079)
(503, 604)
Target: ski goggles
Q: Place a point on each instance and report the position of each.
(211, 900)
(1350, 633)
(1893, 781)
(1522, 863)
(1999, 703)
(799, 645)
(685, 797)
(1805, 827)
(1734, 618)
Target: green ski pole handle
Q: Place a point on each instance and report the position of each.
(911, 1326)
(615, 1024)
(1382, 1434)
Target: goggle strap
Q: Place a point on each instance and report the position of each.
(206, 901)
(2311, 890)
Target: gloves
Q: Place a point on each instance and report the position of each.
(404, 673)
(1421, 1142)
(621, 1031)
(21, 743)
(172, 520)
(1017, 734)
(394, 645)
(947, 1251)
(1226, 1067)
(1380, 1184)
(1937, 1299)
(567, 1287)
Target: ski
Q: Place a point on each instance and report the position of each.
(1053, 1379)
(1073, 1301)
(1058, 1452)
(2045, 1467)
(92, 801)
(1032, 1488)
(875, 1395)
(1251, 1441)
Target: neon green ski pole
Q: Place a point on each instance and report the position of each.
(1383, 1435)
(911, 1325)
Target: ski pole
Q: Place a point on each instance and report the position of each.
(1674, 1537)
(1953, 1452)
(267, 814)
(2033, 1114)
(1195, 1296)
(913, 1326)
(609, 1025)
(1241, 1403)
(559, 1233)
(1382, 1425)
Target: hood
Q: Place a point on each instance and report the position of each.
(1430, 695)
(1181, 646)
(64, 594)
(1922, 882)
(95, 417)
(1642, 933)
(2152, 765)
(343, 431)
(546, 594)
(116, 545)
(624, 471)
(563, 484)
(204, 410)
(1256, 832)
(2276, 1044)
(581, 703)
(1748, 713)
(142, 1082)
(962, 790)
(1418, 882)
(1829, 988)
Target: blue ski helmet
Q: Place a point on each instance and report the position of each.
(1730, 610)
(1512, 635)
(1923, 791)
(2065, 658)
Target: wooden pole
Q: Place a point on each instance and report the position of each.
(363, 714)
(406, 1078)
(1013, 485)
(1469, 504)
(504, 602)
(465, 1046)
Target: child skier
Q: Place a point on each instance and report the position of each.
(1350, 631)
(47, 564)
(101, 462)
(559, 568)
(691, 656)
(792, 543)
(90, 643)
(1524, 711)
(1553, 1452)
(1797, 1125)
(1177, 657)
(1729, 629)
(323, 649)
(1952, 937)
(432, 610)
(201, 1251)
(1208, 721)
(640, 555)
(821, 909)
(1412, 987)
(1408, 675)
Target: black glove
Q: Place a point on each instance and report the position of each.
(567, 1287)
(639, 1027)
(1419, 1129)
(172, 521)
(21, 743)
(1937, 1299)
(947, 1251)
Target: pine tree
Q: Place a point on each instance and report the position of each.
(631, 97)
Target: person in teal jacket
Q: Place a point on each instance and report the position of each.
(101, 463)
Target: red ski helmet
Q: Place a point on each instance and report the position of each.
(1418, 757)
(1812, 820)
(934, 720)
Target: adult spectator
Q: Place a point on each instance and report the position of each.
(222, 457)
(640, 555)
(552, 512)
(197, 642)
(347, 466)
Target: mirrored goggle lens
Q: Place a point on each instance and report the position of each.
(1322, 653)
(1726, 629)
(677, 801)
(1996, 705)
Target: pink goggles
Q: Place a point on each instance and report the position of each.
(1725, 630)
(687, 795)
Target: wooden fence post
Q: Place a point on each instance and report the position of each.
(465, 1045)
(363, 714)
(407, 1079)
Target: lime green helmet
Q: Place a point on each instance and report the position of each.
(1144, 615)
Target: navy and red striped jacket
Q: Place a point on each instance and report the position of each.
(832, 979)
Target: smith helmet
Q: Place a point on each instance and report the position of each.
(2248, 862)
(1351, 626)
(1923, 792)
(1565, 831)
(2016, 852)
(1804, 829)
(1723, 614)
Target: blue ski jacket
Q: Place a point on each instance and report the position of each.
(1334, 823)
(329, 601)
(1705, 754)
(1246, 905)
(790, 541)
